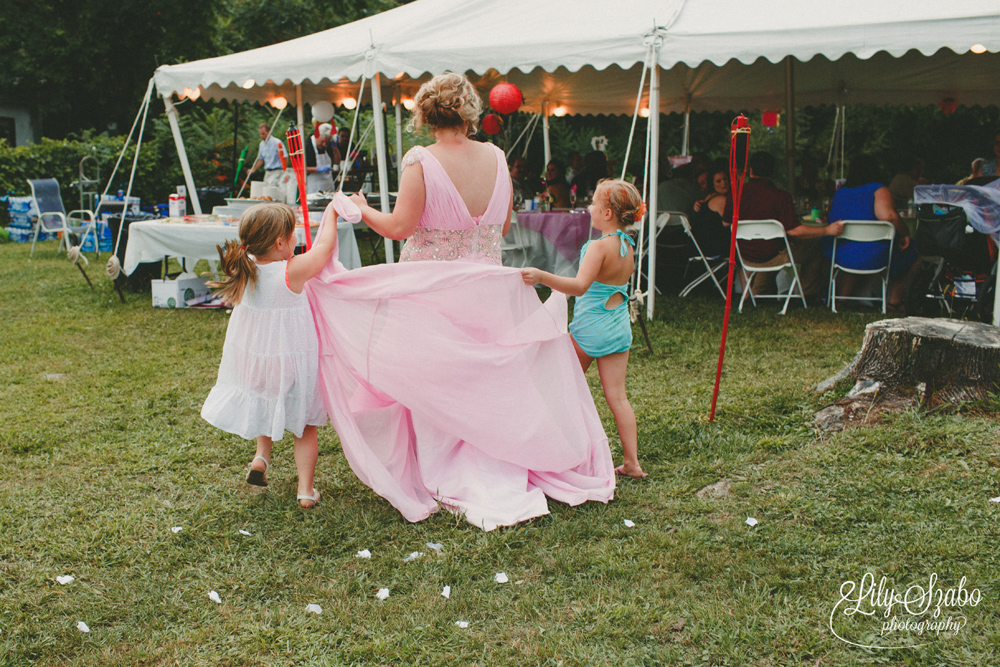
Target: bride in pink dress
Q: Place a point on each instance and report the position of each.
(449, 383)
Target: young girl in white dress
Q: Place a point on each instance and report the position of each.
(267, 378)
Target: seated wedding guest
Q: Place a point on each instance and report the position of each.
(575, 168)
(864, 197)
(595, 168)
(902, 184)
(990, 165)
(681, 191)
(706, 223)
(519, 178)
(977, 171)
(555, 185)
(763, 200)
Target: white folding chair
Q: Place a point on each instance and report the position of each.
(514, 240)
(52, 216)
(712, 264)
(766, 230)
(863, 231)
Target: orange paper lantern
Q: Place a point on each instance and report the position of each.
(948, 106)
(769, 118)
(506, 98)
(492, 123)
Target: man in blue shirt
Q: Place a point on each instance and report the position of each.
(271, 156)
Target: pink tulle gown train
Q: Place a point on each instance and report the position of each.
(449, 383)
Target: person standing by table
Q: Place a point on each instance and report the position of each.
(271, 156)
(321, 155)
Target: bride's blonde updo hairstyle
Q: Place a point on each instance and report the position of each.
(447, 101)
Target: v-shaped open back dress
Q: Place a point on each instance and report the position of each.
(449, 383)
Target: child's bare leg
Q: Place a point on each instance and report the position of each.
(585, 359)
(612, 369)
(263, 451)
(306, 453)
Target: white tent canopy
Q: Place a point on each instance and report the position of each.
(720, 55)
(585, 56)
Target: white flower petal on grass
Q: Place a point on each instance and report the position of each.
(176, 529)
(462, 624)
(314, 608)
(413, 556)
(364, 553)
(214, 597)
(436, 546)
(246, 532)
(995, 500)
(751, 521)
(382, 594)
(501, 577)
(446, 592)
(629, 524)
(65, 579)
(82, 627)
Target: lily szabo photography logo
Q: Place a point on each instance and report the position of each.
(873, 614)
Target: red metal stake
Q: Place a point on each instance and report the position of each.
(297, 157)
(739, 153)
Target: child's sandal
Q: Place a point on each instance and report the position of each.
(258, 477)
(314, 499)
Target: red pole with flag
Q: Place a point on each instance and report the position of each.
(297, 157)
(739, 153)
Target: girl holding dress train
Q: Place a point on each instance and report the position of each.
(601, 327)
(267, 378)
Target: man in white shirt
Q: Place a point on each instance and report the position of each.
(271, 156)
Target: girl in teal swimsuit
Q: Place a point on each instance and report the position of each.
(601, 328)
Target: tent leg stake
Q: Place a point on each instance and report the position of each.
(645, 334)
(85, 276)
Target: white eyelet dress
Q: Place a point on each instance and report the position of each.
(267, 378)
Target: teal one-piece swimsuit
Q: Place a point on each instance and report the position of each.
(598, 330)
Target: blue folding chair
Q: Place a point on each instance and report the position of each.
(52, 216)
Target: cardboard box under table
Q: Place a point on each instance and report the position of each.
(186, 290)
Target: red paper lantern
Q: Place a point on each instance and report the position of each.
(769, 118)
(506, 98)
(492, 123)
(948, 106)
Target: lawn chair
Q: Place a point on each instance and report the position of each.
(862, 231)
(52, 216)
(712, 264)
(763, 230)
(668, 223)
(514, 240)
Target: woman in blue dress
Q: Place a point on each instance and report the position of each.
(864, 197)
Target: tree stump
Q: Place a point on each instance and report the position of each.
(916, 361)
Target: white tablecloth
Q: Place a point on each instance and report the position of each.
(152, 240)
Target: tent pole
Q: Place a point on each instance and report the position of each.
(399, 135)
(175, 129)
(545, 133)
(687, 131)
(380, 156)
(654, 176)
(300, 113)
(790, 123)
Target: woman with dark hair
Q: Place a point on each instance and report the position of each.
(707, 224)
(864, 197)
(555, 184)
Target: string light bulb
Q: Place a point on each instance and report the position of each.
(249, 83)
(644, 112)
(559, 111)
(279, 102)
(349, 102)
(408, 103)
(978, 48)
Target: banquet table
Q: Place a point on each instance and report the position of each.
(554, 240)
(152, 240)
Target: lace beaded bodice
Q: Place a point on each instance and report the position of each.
(446, 231)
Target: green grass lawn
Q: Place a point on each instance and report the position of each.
(102, 452)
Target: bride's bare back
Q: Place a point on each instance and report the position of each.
(472, 168)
